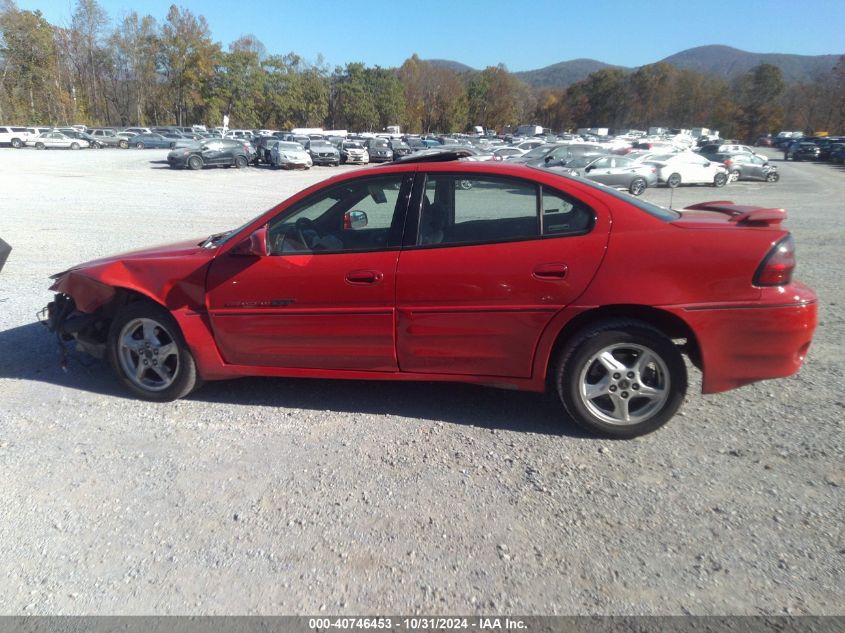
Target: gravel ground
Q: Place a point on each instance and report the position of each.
(301, 496)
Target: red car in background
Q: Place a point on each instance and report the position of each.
(528, 280)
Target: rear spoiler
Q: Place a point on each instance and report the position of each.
(743, 214)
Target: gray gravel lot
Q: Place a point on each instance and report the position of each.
(301, 496)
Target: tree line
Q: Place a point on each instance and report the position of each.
(140, 71)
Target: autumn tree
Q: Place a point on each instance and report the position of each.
(186, 60)
(758, 97)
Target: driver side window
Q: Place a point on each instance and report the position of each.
(352, 216)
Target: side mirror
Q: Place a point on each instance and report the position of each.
(253, 246)
(355, 220)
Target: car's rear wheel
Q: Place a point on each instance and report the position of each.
(241, 161)
(674, 180)
(621, 378)
(195, 162)
(16, 143)
(74, 145)
(148, 353)
(720, 179)
(638, 186)
(39, 146)
(772, 176)
(734, 175)
(123, 144)
(139, 145)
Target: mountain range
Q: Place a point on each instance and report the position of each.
(721, 61)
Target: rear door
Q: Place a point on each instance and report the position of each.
(484, 271)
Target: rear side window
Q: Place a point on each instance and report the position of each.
(470, 209)
(467, 209)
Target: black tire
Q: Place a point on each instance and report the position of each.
(139, 145)
(735, 174)
(772, 176)
(123, 144)
(16, 143)
(241, 161)
(177, 375)
(637, 186)
(720, 179)
(40, 146)
(627, 342)
(674, 180)
(74, 145)
(195, 162)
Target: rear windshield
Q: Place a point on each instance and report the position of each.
(662, 213)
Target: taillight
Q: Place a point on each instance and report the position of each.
(728, 161)
(776, 269)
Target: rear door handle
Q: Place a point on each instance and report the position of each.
(364, 277)
(550, 272)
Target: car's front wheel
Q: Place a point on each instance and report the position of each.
(195, 162)
(637, 186)
(40, 146)
(139, 145)
(16, 143)
(621, 378)
(734, 175)
(74, 145)
(674, 180)
(720, 179)
(772, 176)
(148, 353)
(241, 161)
(123, 144)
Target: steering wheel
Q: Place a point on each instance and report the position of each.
(307, 232)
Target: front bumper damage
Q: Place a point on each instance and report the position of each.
(61, 317)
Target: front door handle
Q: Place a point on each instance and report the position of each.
(364, 277)
(550, 272)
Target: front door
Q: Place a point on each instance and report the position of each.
(325, 296)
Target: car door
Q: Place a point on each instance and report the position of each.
(324, 297)
(483, 271)
(601, 170)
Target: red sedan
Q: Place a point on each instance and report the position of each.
(526, 279)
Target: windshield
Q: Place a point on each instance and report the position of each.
(291, 147)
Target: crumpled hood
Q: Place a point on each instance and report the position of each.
(171, 274)
(175, 249)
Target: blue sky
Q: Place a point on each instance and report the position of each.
(522, 35)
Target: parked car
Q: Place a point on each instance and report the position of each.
(710, 150)
(399, 148)
(615, 171)
(744, 166)
(558, 154)
(14, 136)
(801, 151)
(826, 146)
(765, 141)
(520, 282)
(107, 138)
(379, 150)
(837, 153)
(213, 152)
(688, 168)
(322, 152)
(151, 141)
(56, 140)
(134, 131)
(289, 155)
(508, 152)
(353, 152)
